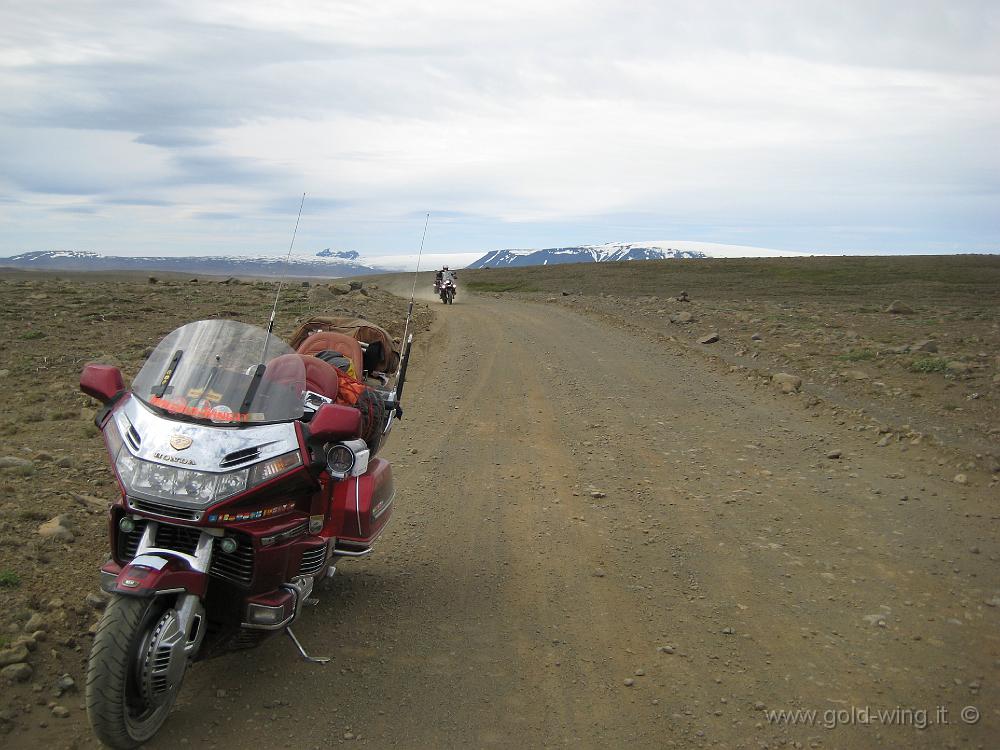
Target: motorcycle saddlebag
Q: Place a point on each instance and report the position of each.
(362, 506)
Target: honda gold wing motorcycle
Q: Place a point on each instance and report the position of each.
(242, 484)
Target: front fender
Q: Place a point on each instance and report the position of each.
(151, 575)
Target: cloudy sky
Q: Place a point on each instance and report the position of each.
(191, 127)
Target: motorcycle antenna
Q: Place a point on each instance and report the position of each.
(259, 371)
(407, 336)
(413, 289)
(281, 279)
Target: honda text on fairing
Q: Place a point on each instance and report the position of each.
(242, 484)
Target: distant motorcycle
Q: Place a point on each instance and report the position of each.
(446, 290)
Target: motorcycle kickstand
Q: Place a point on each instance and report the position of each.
(302, 651)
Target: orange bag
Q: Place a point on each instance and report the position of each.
(354, 393)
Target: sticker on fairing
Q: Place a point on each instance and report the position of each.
(250, 515)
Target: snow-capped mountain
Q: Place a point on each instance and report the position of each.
(345, 254)
(618, 251)
(325, 264)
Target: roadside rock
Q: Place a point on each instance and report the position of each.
(13, 462)
(785, 382)
(35, 623)
(961, 479)
(65, 683)
(17, 673)
(682, 317)
(927, 345)
(60, 712)
(709, 339)
(27, 641)
(356, 285)
(756, 337)
(320, 294)
(57, 528)
(856, 375)
(97, 601)
(898, 307)
(14, 655)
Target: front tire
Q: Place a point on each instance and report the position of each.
(118, 713)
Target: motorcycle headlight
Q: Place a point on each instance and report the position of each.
(192, 488)
(196, 488)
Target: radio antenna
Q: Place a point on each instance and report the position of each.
(407, 339)
(281, 279)
(258, 372)
(413, 289)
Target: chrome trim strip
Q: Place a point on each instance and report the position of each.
(337, 552)
(276, 626)
(200, 561)
(344, 553)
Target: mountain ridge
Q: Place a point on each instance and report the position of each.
(329, 263)
(325, 264)
(580, 254)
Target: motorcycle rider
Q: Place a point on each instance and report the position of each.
(444, 275)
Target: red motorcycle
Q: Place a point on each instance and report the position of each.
(242, 484)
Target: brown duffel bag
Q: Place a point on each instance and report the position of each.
(357, 328)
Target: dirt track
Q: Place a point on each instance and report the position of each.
(729, 569)
(507, 607)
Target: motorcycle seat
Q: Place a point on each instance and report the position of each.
(321, 377)
(325, 341)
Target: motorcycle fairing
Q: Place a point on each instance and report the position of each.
(212, 448)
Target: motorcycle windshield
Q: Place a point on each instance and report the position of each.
(220, 371)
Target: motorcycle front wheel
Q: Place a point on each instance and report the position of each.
(120, 712)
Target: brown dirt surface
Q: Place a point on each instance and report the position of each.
(606, 534)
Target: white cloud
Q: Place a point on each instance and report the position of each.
(728, 116)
